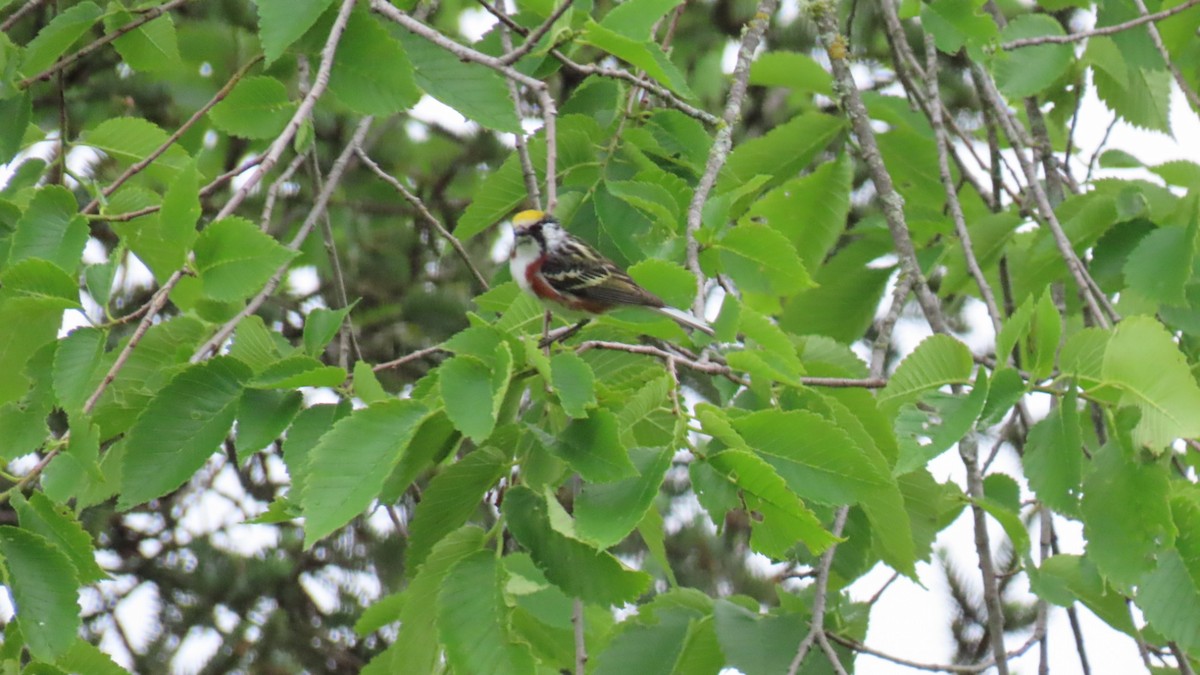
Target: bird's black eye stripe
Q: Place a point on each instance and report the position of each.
(535, 231)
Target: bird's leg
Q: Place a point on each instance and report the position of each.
(549, 339)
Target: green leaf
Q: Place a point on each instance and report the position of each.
(1063, 578)
(781, 152)
(793, 70)
(635, 19)
(1139, 95)
(645, 647)
(927, 428)
(645, 54)
(84, 657)
(818, 460)
(605, 513)
(150, 47)
(366, 385)
(416, 647)
(306, 431)
(40, 283)
(1161, 265)
(132, 139)
(235, 259)
(645, 420)
(451, 498)
(939, 360)
(358, 78)
(823, 196)
(843, 304)
(44, 589)
(466, 381)
(955, 23)
(298, 371)
(1171, 601)
(1126, 515)
(1047, 328)
(58, 525)
(499, 193)
(175, 230)
(15, 113)
(77, 465)
(592, 446)
(320, 327)
(785, 521)
(574, 383)
(473, 620)
(282, 22)
(474, 90)
(1053, 457)
(761, 260)
(54, 39)
(348, 466)
(1144, 362)
(669, 281)
(258, 107)
(752, 643)
(578, 569)
(180, 429)
(1029, 70)
(263, 416)
(51, 229)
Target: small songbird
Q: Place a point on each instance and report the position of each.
(561, 269)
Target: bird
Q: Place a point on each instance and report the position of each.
(567, 273)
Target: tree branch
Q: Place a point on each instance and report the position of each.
(952, 203)
(890, 200)
(426, 215)
(549, 110)
(141, 165)
(335, 176)
(1096, 32)
(70, 59)
(752, 35)
(816, 629)
(511, 55)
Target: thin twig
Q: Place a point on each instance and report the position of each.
(1104, 30)
(284, 141)
(820, 590)
(264, 221)
(527, 170)
(426, 215)
(883, 333)
(1045, 209)
(752, 35)
(205, 191)
(615, 73)
(861, 648)
(408, 358)
(955, 207)
(968, 449)
(1181, 658)
(141, 165)
(581, 657)
(69, 60)
(214, 343)
(19, 14)
(890, 200)
(511, 55)
(549, 109)
(346, 337)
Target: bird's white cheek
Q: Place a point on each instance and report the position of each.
(524, 253)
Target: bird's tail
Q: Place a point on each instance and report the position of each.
(686, 320)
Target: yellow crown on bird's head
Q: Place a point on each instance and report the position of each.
(525, 219)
